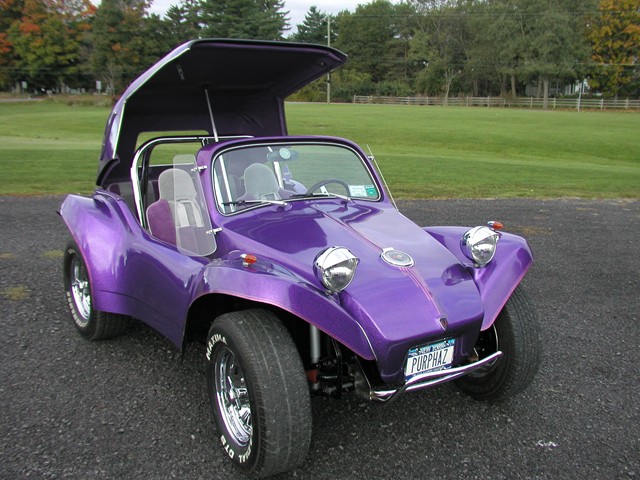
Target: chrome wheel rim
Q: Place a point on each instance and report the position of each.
(80, 291)
(233, 397)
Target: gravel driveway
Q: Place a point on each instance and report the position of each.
(135, 407)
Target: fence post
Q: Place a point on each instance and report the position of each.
(530, 102)
(626, 104)
(554, 103)
(602, 104)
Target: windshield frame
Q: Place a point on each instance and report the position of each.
(220, 189)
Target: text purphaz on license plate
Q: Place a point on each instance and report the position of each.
(429, 358)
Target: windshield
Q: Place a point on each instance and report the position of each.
(257, 175)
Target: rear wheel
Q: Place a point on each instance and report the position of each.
(516, 333)
(258, 393)
(91, 323)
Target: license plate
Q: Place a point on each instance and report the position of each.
(429, 358)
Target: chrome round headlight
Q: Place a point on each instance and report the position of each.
(336, 267)
(479, 245)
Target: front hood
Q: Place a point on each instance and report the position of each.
(397, 307)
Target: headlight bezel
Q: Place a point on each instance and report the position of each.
(479, 244)
(335, 268)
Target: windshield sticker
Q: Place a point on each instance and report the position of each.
(357, 191)
(362, 191)
(371, 191)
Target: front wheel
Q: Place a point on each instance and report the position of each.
(258, 393)
(91, 323)
(516, 333)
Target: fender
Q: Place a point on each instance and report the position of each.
(111, 241)
(497, 281)
(101, 240)
(106, 232)
(286, 291)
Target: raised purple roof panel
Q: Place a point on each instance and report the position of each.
(246, 82)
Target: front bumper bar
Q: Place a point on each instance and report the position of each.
(431, 379)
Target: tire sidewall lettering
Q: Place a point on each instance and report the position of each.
(74, 310)
(213, 340)
(242, 456)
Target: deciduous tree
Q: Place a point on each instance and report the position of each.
(47, 41)
(554, 41)
(614, 34)
(10, 12)
(121, 46)
(441, 44)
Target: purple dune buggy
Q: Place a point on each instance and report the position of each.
(285, 255)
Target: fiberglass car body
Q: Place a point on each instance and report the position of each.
(284, 254)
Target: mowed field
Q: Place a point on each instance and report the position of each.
(424, 152)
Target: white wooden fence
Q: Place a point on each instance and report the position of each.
(520, 102)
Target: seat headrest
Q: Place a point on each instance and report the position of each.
(259, 180)
(175, 185)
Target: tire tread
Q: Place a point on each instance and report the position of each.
(266, 342)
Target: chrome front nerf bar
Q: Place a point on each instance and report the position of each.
(430, 379)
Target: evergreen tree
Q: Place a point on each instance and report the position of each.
(314, 28)
(251, 19)
(182, 21)
(373, 37)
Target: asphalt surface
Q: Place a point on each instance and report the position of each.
(135, 408)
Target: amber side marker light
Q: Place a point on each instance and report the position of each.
(248, 259)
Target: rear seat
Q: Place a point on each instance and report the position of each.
(125, 190)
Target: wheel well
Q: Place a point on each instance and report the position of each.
(209, 307)
(331, 375)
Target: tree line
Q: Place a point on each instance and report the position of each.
(409, 48)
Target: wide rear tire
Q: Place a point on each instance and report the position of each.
(258, 392)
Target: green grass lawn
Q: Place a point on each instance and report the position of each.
(49, 147)
(424, 152)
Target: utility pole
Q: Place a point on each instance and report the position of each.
(328, 45)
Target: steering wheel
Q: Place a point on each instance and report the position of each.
(327, 181)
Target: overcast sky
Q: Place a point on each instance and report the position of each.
(296, 8)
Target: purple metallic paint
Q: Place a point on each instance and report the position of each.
(500, 277)
(247, 82)
(394, 306)
(131, 273)
(385, 310)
